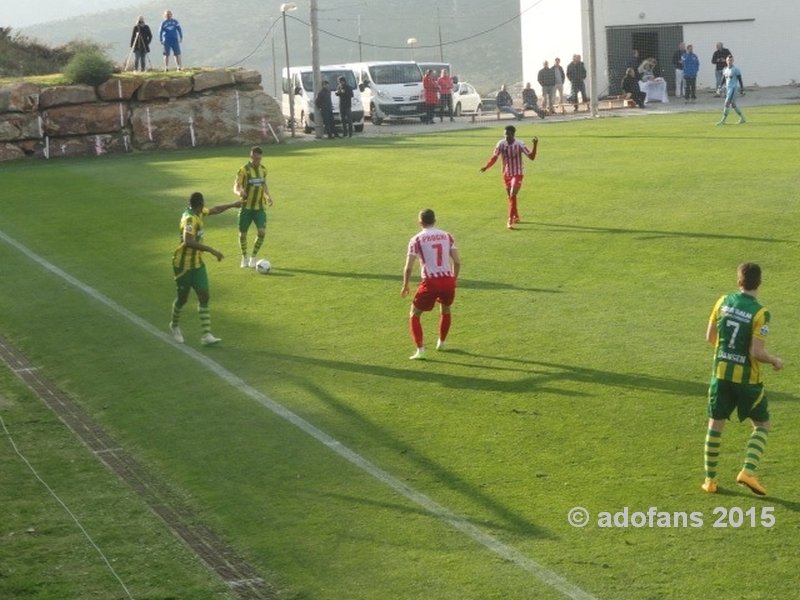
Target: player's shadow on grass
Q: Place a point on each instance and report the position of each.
(506, 519)
(650, 234)
(473, 284)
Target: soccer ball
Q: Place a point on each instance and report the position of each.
(263, 266)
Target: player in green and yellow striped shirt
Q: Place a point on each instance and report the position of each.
(189, 268)
(738, 328)
(251, 187)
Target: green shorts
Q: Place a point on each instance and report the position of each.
(248, 216)
(749, 401)
(193, 279)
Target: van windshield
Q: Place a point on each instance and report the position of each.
(387, 74)
(332, 77)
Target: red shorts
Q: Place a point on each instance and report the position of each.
(513, 181)
(433, 290)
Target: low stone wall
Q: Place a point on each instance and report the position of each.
(133, 113)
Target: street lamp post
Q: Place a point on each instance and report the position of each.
(412, 42)
(288, 7)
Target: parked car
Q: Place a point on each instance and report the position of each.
(466, 99)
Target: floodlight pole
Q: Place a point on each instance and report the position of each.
(288, 7)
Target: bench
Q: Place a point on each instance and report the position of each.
(621, 101)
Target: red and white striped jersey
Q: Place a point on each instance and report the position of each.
(512, 154)
(432, 247)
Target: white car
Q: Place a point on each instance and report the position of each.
(466, 99)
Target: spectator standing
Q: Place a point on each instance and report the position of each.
(738, 329)
(141, 36)
(576, 74)
(171, 37)
(560, 77)
(445, 85)
(530, 101)
(189, 270)
(732, 78)
(633, 61)
(630, 85)
(431, 93)
(512, 152)
(505, 103)
(251, 187)
(344, 92)
(324, 103)
(677, 61)
(719, 60)
(439, 267)
(547, 80)
(691, 67)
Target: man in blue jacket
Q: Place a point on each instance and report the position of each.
(691, 67)
(171, 36)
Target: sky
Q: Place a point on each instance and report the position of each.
(16, 14)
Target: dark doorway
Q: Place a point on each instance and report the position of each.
(651, 42)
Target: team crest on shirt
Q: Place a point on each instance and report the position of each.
(764, 330)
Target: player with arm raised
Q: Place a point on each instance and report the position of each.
(439, 267)
(189, 269)
(512, 152)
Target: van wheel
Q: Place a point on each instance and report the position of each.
(457, 111)
(373, 115)
(359, 128)
(306, 125)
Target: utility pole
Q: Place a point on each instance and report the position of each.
(314, 19)
(360, 59)
(441, 49)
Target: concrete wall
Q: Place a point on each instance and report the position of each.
(759, 34)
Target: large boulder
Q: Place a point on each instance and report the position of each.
(19, 97)
(226, 117)
(19, 126)
(67, 94)
(85, 119)
(209, 80)
(155, 89)
(119, 88)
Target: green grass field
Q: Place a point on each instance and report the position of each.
(576, 377)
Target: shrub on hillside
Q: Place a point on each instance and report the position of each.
(90, 67)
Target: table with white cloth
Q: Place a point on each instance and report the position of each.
(655, 90)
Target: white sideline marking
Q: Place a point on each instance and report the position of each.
(507, 552)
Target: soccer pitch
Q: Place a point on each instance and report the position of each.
(337, 468)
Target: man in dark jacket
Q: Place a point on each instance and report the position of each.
(576, 74)
(325, 105)
(345, 94)
(547, 80)
(140, 43)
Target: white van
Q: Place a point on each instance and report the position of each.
(300, 82)
(390, 89)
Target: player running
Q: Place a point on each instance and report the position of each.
(512, 151)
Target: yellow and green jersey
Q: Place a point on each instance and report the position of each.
(254, 181)
(186, 258)
(738, 318)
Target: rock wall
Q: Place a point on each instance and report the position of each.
(133, 113)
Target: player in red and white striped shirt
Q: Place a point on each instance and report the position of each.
(512, 151)
(439, 266)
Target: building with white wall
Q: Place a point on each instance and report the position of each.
(759, 34)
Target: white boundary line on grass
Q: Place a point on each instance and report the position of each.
(503, 550)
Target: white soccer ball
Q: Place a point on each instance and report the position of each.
(263, 266)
